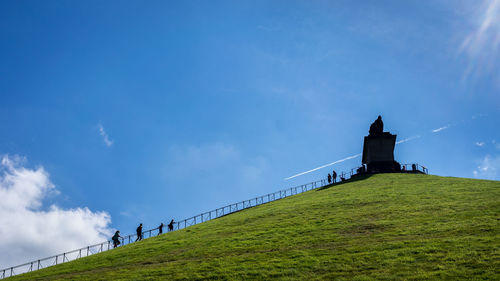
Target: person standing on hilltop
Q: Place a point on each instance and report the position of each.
(334, 176)
(329, 179)
(139, 233)
(160, 229)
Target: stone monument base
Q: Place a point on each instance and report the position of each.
(383, 167)
(378, 153)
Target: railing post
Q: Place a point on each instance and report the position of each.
(11, 271)
(56, 260)
(31, 268)
(39, 264)
(88, 250)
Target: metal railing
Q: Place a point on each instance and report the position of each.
(203, 217)
(408, 168)
(232, 208)
(414, 168)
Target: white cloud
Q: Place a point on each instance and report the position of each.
(479, 143)
(440, 129)
(105, 136)
(488, 168)
(29, 231)
(496, 144)
(482, 44)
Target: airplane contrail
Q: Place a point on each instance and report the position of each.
(359, 154)
(408, 139)
(440, 129)
(321, 167)
(347, 158)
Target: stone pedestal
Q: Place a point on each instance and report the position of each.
(378, 153)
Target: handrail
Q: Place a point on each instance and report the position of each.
(203, 217)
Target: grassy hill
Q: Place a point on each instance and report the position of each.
(385, 227)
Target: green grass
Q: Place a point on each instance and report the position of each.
(386, 227)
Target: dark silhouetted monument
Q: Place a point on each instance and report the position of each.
(378, 150)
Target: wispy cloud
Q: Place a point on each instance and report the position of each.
(105, 136)
(482, 44)
(324, 166)
(479, 143)
(488, 168)
(440, 129)
(496, 144)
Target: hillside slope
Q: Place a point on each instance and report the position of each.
(388, 226)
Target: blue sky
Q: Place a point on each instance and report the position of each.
(152, 110)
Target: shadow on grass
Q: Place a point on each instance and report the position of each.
(352, 179)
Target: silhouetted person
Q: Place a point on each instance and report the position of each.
(377, 127)
(171, 225)
(116, 239)
(329, 178)
(334, 176)
(139, 233)
(160, 229)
